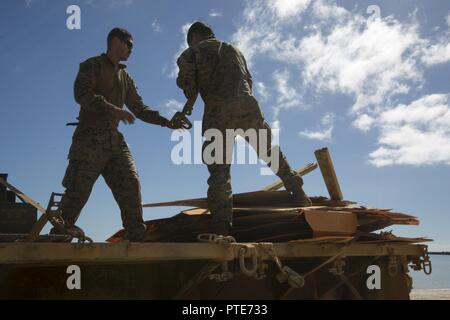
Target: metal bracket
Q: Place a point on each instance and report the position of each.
(53, 211)
(251, 272)
(338, 267)
(426, 262)
(215, 238)
(294, 279)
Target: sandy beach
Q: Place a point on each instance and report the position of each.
(430, 294)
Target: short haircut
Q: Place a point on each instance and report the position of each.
(120, 33)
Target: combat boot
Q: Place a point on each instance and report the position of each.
(293, 185)
(69, 231)
(136, 234)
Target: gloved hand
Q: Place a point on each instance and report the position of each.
(172, 124)
(180, 121)
(123, 115)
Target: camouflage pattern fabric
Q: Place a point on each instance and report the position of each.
(202, 70)
(96, 152)
(99, 149)
(241, 113)
(99, 88)
(222, 78)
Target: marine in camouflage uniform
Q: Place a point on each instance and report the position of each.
(101, 88)
(218, 71)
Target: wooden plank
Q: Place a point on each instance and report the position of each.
(200, 202)
(329, 175)
(39, 225)
(332, 223)
(251, 199)
(202, 210)
(302, 171)
(195, 211)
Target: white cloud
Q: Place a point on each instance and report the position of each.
(288, 8)
(328, 119)
(214, 13)
(276, 129)
(171, 106)
(372, 62)
(275, 125)
(324, 133)
(261, 31)
(28, 3)
(328, 10)
(437, 53)
(415, 134)
(286, 92)
(173, 73)
(340, 52)
(317, 135)
(120, 3)
(287, 95)
(363, 122)
(262, 91)
(156, 26)
(375, 62)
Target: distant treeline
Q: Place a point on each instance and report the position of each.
(443, 253)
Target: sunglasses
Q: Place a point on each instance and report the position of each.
(128, 43)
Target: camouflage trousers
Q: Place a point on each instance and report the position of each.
(97, 152)
(240, 113)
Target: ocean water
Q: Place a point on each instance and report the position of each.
(438, 279)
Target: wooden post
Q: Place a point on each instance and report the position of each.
(329, 175)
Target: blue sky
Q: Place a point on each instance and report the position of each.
(374, 90)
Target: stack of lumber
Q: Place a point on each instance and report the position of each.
(271, 216)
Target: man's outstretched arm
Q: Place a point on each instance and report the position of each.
(85, 96)
(136, 105)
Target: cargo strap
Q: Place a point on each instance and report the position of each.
(197, 279)
(286, 274)
(338, 269)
